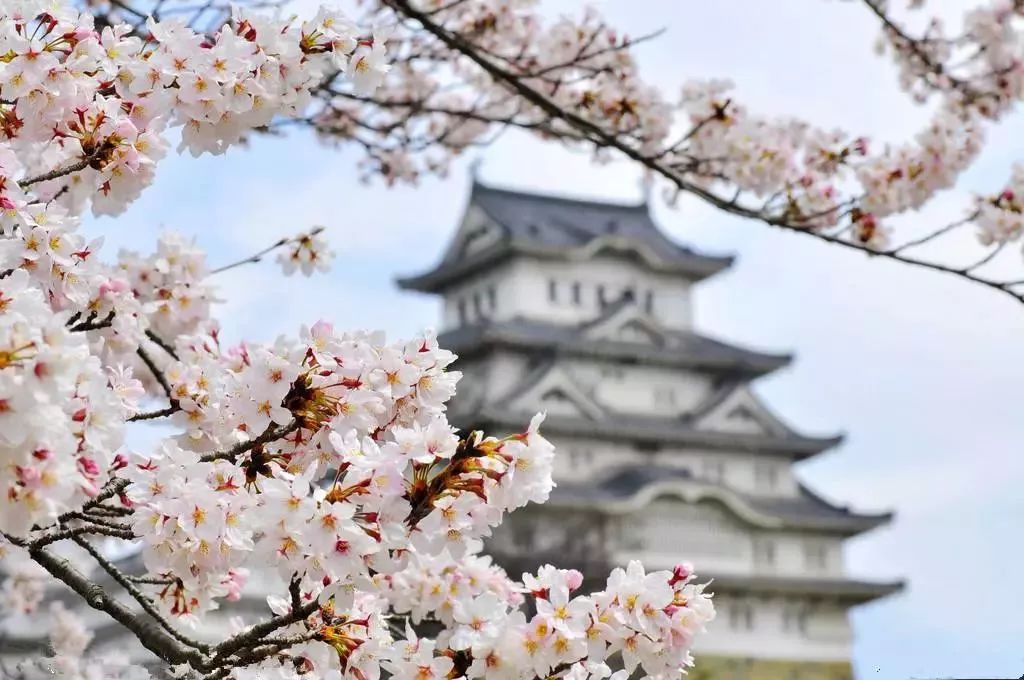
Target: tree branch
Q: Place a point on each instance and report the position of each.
(270, 434)
(151, 636)
(604, 139)
(155, 370)
(153, 415)
(137, 595)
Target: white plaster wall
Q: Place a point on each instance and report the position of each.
(583, 459)
(826, 634)
(639, 389)
(670, 530)
(796, 554)
(522, 289)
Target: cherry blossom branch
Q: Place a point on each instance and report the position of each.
(914, 45)
(256, 257)
(149, 634)
(933, 235)
(60, 172)
(66, 534)
(269, 435)
(91, 323)
(225, 649)
(153, 415)
(158, 375)
(604, 139)
(147, 604)
(162, 344)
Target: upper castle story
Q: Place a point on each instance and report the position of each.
(509, 260)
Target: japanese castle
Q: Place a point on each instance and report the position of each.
(584, 310)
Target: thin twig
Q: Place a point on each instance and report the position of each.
(162, 344)
(155, 370)
(153, 415)
(270, 434)
(59, 172)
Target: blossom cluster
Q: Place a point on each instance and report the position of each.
(60, 420)
(325, 459)
(74, 93)
(443, 104)
(788, 170)
(171, 286)
(328, 457)
(1001, 217)
(641, 623)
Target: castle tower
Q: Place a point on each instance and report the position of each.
(584, 309)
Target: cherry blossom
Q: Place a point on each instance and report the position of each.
(323, 461)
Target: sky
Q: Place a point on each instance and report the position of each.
(921, 371)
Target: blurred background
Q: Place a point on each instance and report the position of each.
(922, 372)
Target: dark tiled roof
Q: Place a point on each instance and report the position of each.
(550, 226)
(688, 349)
(636, 428)
(806, 511)
(596, 567)
(851, 590)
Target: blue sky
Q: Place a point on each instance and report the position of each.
(921, 371)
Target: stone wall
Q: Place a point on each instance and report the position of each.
(721, 668)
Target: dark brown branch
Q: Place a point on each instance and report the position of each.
(270, 434)
(147, 605)
(153, 415)
(155, 370)
(259, 631)
(90, 324)
(70, 534)
(162, 344)
(54, 174)
(149, 634)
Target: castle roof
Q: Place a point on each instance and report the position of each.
(635, 428)
(631, 487)
(849, 591)
(560, 228)
(853, 591)
(683, 349)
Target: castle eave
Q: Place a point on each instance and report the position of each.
(631, 488)
(450, 272)
(852, 591)
(690, 350)
(639, 429)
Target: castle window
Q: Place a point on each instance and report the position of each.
(492, 298)
(714, 470)
(766, 476)
(794, 619)
(601, 298)
(552, 290)
(665, 395)
(478, 310)
(816, 556)
(741, 616)
(580, 458)
(764, 552)
(649, 302)
(462, 310)
(648, 447)
(576, 293)
(628, 294)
